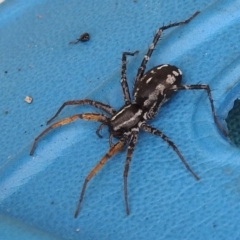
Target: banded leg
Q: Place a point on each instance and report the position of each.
(132, 143)
(206, 88)
(108, 109)
(124, 83)
(142, 67)
(112, 151)
(85, 116)
(156, 132)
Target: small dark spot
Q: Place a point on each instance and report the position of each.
(19, 69)
(41, 125)
(52, 202)
(214, 225)
(5, 72)
(83, 38)
(6, 112)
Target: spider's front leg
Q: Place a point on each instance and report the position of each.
(108, 109)
(124, 83)
(85, 116)
(159, 32)
(208, 90)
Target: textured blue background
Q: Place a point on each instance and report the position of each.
(38, 194)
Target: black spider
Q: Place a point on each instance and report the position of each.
(151, 90)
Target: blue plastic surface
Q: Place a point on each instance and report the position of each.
(41, 192)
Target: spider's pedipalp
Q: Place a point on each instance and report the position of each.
(99, 129)
(85, 116)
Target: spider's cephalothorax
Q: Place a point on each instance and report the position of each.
(151, 90)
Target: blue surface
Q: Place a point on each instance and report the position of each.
(41, 192)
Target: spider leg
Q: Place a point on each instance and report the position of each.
(108, 109)
(124, 83)
(85, 116)
(132, 143)
(206, 88)
(142, 67)
(112, 151)
(156, 132)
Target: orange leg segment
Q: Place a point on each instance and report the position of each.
(85, 116)
(112, 151)
(95, 104)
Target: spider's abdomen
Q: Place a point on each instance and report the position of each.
(155, 88)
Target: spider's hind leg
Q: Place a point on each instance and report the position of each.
(147, 128)
(131, 146)
(208, 90)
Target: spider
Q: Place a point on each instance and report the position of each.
(151, 90)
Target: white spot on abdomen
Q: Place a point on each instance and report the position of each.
(170, 79)
(160, 88)
(165, 65)
(180, 72)
(175, 73)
